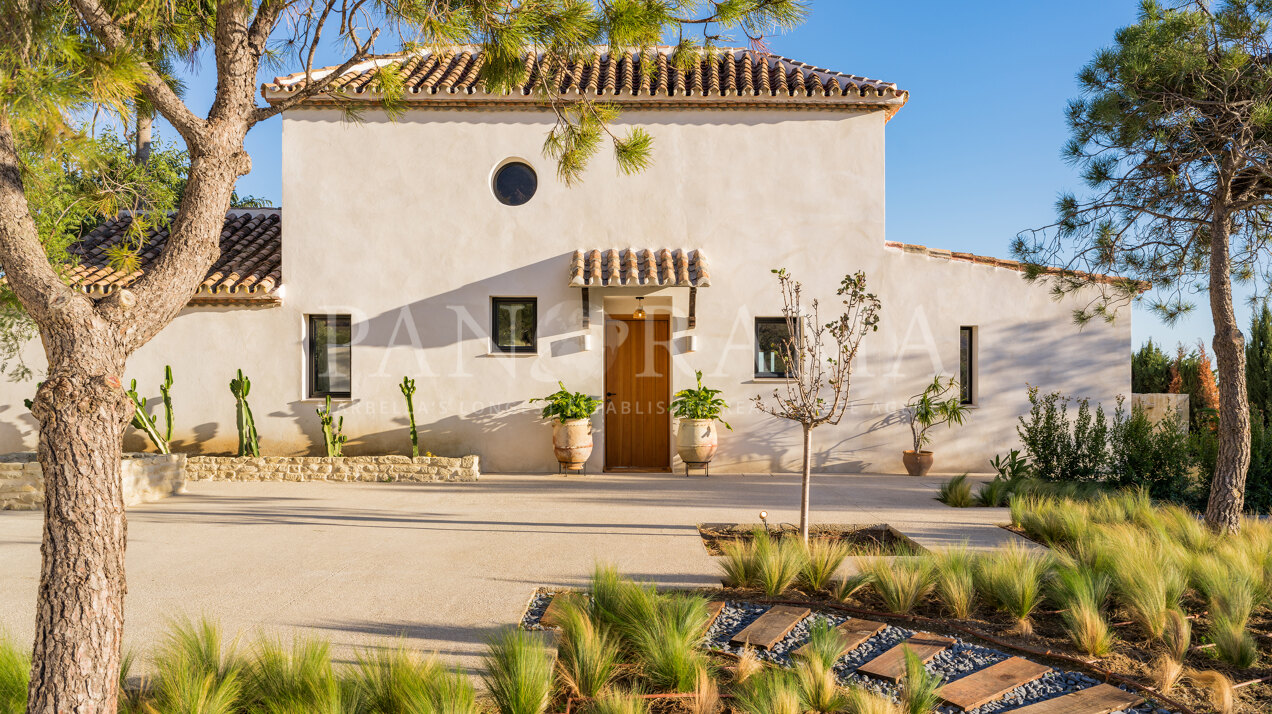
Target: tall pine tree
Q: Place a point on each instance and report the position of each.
(1259, 365)
(1172, 134)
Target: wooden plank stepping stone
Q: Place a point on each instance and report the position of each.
(771, 627)
(891, 664)
(1100, 699)
(714, 608)
(853, 633)
(990, 684)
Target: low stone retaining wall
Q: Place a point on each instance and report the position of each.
(323, 468)
(147, 477)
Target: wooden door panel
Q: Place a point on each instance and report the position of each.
(638, 392)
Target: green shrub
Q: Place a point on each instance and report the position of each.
(518, 672)
(1060, 449)
(1155, 456)
(956, 492)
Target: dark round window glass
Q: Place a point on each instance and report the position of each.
(515, 183)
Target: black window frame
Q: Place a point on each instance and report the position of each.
(755, 353)
(311, 354)
(507, 200)
(967, 364)
(533, 347)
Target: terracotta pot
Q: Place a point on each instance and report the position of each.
(572, 442)
(917, 464)
(696, 441)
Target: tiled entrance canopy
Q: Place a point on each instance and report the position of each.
(631, 267)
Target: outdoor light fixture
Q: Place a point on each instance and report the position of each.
(585, 341)
(764, 517)
(640, 309)
(691, 343)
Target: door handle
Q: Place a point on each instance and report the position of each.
(611, 394)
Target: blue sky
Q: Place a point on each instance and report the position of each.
(974, 157)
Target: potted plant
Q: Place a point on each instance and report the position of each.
(939, 403)
(572, 425)
(698, 410)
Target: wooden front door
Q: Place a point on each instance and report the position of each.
(638, 394)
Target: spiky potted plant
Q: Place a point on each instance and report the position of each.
(571, 415)
(698, 410)
(939, 403)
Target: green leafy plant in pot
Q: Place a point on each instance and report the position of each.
(571, 415)
(939, 403)
(698, 410)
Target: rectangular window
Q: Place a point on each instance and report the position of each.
(770, 334)
(514, 324)
(967, 363)
(330, 356)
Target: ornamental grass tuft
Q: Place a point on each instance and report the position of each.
(901, 584)
(587, 656)
(616, 703)
(822, 559)
(1081, 594)
(918, 686)
(825, 643)
(773, 691)
(777, 563)
(1147, 582)
(859, 700)
(955, 581)
(518, 672)
(957, 492)
(819, 690)
(1012, 579)
(400, 680)
(194, 672)
(298, 679)
(15, 670)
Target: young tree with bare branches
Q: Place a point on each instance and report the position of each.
(60, 60)
(1173, 134)
(818, 358)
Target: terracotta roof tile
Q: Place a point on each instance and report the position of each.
(723, 77)
(629, 267)
(248, 271)
(941, 254)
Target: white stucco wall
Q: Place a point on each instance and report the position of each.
(394, 223)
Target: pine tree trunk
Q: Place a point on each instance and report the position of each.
(808, 477)
(145, 125)
(1227, 487)
(82, 410)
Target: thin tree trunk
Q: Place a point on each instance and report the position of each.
(1227, 487)
(808, 477)
(82, 410)
(145, 125)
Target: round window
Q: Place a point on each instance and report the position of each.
(515, 183)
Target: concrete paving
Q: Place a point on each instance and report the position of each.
(440, 566)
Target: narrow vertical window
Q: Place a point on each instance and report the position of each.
(514, 325)
(967, 364)
(770, 334)
(330, 356)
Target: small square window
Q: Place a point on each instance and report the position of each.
(330, 356)
(770, 335)
(967, 364)
(514, 324)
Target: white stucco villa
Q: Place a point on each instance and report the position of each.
(440, 245)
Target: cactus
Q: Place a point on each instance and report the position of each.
(144, 422)
(165, 389)
(249, 441)
(331, 430)
(408, 390)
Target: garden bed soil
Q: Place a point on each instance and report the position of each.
(869, 539)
